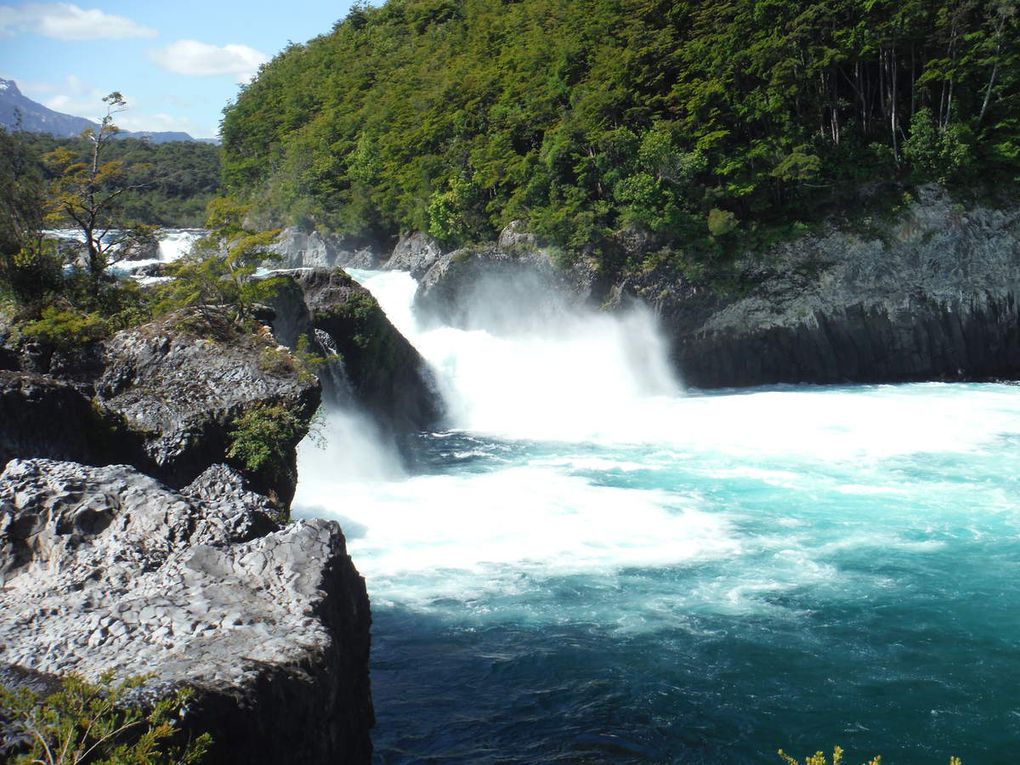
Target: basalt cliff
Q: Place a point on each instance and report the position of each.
(930, 293)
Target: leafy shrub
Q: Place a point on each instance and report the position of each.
(99, 723)
(262, 438)
(721, 222)
(65, 328)
(221, 268)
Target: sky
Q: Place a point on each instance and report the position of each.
(176, 62)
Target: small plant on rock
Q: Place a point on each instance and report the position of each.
(86, 723)
(262, 438)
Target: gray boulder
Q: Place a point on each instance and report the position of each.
(182, 382)
(163, 397)
(501, 291)
(415, 252)
(103, 568)
(301, 249)
(378, 367)
(516, 234)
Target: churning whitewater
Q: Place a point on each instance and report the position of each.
(592, 565)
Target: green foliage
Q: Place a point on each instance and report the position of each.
(65, 329)
(85, 194)
(583, 117)
(29, 266)
(819, 758)
(262, 438)
(937, 154)
(167, 184)
(220, 270)
(721, 222)
(100, 724)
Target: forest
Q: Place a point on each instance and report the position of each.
(700, 122)
(166, 185)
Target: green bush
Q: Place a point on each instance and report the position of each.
(99, 723)
(261, 438)
(64, 328)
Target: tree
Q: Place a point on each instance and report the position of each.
(220, 270)
(28, 264)
(85, 196)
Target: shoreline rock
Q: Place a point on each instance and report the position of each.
(931, 295)
(106, 568)
(380, 370)
(296, 248)
(162, 396)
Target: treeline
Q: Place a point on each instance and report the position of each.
(697, 120)
(167, 185)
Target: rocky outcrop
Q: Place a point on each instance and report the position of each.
(42, 416)
(415, 252)
(103, 568)
(301, 249)
(380, 369)
(931, 295)
(163, 397)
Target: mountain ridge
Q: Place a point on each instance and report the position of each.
(18, 111)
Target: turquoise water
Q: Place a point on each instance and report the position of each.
(688, 578)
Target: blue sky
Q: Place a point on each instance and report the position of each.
(176, 62)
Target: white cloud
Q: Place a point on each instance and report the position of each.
(197, 58)
(64, 21)
(72, 96)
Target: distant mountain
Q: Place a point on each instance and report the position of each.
(36, 118)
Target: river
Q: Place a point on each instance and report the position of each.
(594, 564)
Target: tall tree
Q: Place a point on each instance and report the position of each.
(85, 196)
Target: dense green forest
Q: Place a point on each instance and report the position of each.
(167, 184)
(698, 120)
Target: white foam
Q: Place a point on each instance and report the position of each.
(605, 379)
(457, 534)
(479, 543)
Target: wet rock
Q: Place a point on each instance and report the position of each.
(301, 249)
(415, 252)
(932, 295)
(380, 368)
(501, 291)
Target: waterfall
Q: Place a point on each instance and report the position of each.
(583, 375)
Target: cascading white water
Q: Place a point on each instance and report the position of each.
(173, 244)
(582, 376)
(592, 561)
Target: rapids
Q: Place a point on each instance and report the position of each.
(593, 565)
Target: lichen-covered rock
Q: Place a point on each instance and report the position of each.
(105, 568)
(516, 234)
(497, 290)
(182, 382)
(163, 397)
(301, 249)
